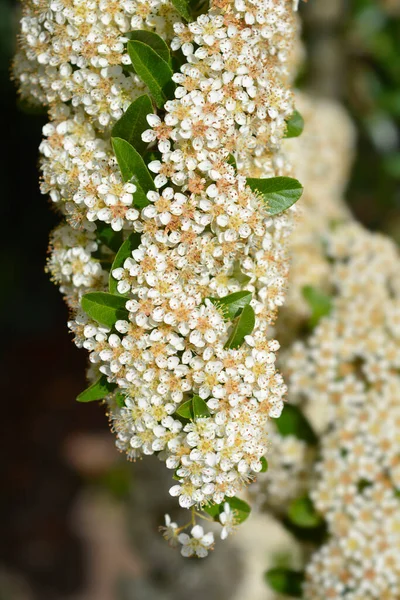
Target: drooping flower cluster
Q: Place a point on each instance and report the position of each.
(194, 233)
(204, 233)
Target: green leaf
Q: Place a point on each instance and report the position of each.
(241, 508)
(285, 581)
(104, 308)
(132, 165)
(107, 236)
(319, 302)
(295, 125)
(242, 326)
(183, 9)
(185, 410)
(130, 244)
(232, 161)
(264, 463)
(302, 513)
(213, 510)
(232, 303)
(133, 122)
(120, 399)
(200, 408)
(238, 275)
(293, 422)
(279, 193)
(153, 70)
(149, 38)
(97, 391)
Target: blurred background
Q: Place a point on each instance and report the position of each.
(73, 524)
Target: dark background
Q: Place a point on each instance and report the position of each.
(354, 55)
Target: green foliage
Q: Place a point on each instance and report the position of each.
(302, 513)
(133, 122)
(279, 193)
(293, 422)
(241, 508)
(125, 251)
(154, 71)
(133, 168)
(185, 410)
(200, 408)
(243, 325)
(232, 161)
(319, 302)
(183, 9)
(232, 304)
(264, 463)
(285, 581)
(294, 125)
(154, 41)
(195, 408)
(104, 308)
(107, 236)
(97, 391)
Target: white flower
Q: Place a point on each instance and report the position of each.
(227, 519)
(198, 543)
(169, 531)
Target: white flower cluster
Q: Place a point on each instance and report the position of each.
(204, 233)
(344, 374)
(287, 477)
(351, 364)
(76, 51)
(72, 264)
(81, 174)
(194, 232)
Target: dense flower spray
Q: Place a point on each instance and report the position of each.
(194, 255)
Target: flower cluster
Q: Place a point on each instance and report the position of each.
(76, 52)
(194, 233)
(204, 233)
(351, 364)
(344, 374)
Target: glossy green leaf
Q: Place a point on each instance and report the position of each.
(319, 302)
(156, 43)
(264, 463)
(153, 70)
(104, 308)
(285, 581)
(232, 303)
(97, 391)
(133, 122)
(213, 510)
(302, 513)
(241, 508)
(132, 165)
(232, 161)
(294, 125)
(183, 9)
(120, 399)
(185, 410)
(279, 193)
(130, 244)
(293, 422)
(200, 408)
(107, 236)
(242, 326)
